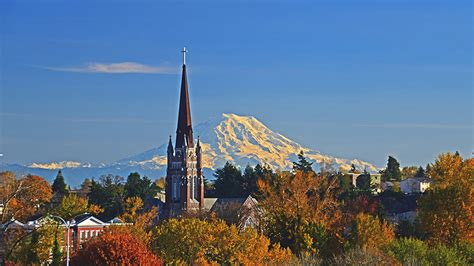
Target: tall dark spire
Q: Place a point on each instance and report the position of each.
(184, 133)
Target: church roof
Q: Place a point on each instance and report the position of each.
(213, 203)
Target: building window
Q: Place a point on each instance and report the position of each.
(196, 187)
(192, 187)
(175, 187)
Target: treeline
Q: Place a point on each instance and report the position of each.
(305, 217)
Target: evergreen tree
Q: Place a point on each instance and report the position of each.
(420, 172)
(59, 186)
(139, 187)
(56, 252)
(303, 164)
(392, 172)
(109, 194)
(250, 180)
(31, 255)
(229, 181)
(428, 169)
(86, 186)
(354, 169)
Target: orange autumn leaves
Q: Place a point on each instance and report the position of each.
(446, 211)
(115, 248)
(22, 198)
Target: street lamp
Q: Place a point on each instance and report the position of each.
(68, 224)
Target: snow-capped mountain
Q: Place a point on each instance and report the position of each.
(239, 139)
(244, 140)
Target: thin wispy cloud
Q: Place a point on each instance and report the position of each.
(116, 68)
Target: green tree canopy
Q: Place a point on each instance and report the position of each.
(302, 164)
(109, 193)
(229, 182)
(420, 172)
(59, 185)
(137, 186)
(392, 172)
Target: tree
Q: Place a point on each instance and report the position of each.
(72, 205)
(137, 186)
(140, 222)
(56, 252)
(450, 255)
(160, 184)
(302, 164)
(132, 206)
(250, 178)
(108, 193)
(408, 171)
(21, 198)
(354, 170)
(115, 248)
(85, 187)
(369, 233)
(35, 247)
(360, 204)
(446, 213)
(420, 172)
(392, 172)
(408, 251)
(450, 168)
(301, 211)
(194, 241)
(229, 182)
(363, 182)
(357, 256)
(59, 186)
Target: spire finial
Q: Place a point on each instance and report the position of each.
(184, 51)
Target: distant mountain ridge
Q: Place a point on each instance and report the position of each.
(239, 139)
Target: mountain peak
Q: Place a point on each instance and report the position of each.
(235, 138)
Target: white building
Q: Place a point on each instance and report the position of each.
(415, 185)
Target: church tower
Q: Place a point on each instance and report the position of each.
(184, 180)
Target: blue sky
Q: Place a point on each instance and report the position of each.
(356, 79)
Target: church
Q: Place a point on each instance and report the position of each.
(184, 179)
(184, 183)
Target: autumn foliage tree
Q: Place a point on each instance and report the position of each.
(22, 197)
(369, 233)
(115, 248)
(301, 211)
(450, 168)
(446, 214)
(139, 221)
(446, 211)
(72, 205)
(194, 241)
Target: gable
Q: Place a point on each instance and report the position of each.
(91, 221)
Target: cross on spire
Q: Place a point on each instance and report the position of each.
(184, 51)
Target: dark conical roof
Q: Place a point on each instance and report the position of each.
(184, 133)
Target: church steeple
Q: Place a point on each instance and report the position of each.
(184, 179)
(184, 132)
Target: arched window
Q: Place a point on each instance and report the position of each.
(175, 186)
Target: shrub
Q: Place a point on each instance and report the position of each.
(408, 251)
